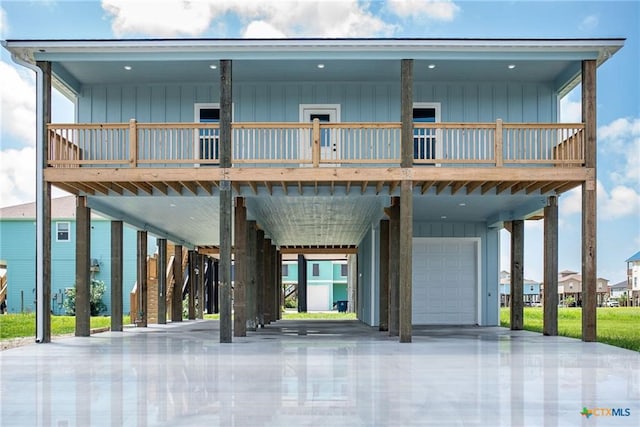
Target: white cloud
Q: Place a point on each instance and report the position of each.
(17, 103)
(621, 201)
(3, 23)
(18, 176)
(262, 30)
(268, 18)
(622, 138)
(570, 111)
(589, 23)
(160, 18)
(441, 10)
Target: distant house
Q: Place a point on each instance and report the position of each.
(18, 252)
(570, 286)
(619, 290)
(326, 282)
(532, 293)
(633, 278)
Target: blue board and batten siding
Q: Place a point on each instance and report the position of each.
(17, 248)
(359, 101)
(368, 271)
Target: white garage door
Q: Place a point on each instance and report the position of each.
(318, 298)
(445, 282)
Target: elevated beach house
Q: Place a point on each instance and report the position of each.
(408, 154)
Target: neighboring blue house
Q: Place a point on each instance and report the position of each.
(327, 282)
(532, 291)
(324, 143)
(17, 250)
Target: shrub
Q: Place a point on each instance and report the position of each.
(96, 305)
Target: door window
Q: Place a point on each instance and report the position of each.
(425, 140)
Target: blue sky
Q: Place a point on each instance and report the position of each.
(618, 81)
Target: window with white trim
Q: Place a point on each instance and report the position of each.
(208, 140)
(63, 233)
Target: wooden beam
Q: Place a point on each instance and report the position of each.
(441, 186)
(406, 113)
(86, 175)
(252, 290)
(487, 186)
(379, 186)
(161, 186)
(363, 187)
(240, 284)
(206, 186)
(128, 186)
(161, 274)
(406, 256)
(254, 187)
(472, 186)
(176, 186)
(176, 296)
(284, 187)
(519, 187)
(394, 268)
(535, 186)
(300, 191)
(236, 186)
(503, 186)
(550, 261)
(226, 106)
(589, 201)
(144, 187)
(269, 186)
(425, 186)
(517, 278)
(566, 187)
(191, 186)
(383, 266)
(348, 187)
(116, 275)
(83, 276)
(393, 185)
(455, 187)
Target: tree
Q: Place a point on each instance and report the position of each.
(96, 305)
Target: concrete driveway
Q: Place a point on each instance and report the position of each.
(320, 373)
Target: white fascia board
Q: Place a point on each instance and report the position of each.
(599, 49)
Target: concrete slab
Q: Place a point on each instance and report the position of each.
(318, 373)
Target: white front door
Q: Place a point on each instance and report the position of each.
(329, 139)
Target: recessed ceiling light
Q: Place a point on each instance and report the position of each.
(431, 66)
(443, 217)
(173, 205)
(128, 67)
(213, 66)
(462, 204)
(511, 66)
(321, 66)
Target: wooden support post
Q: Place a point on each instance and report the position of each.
(406, 113)
(133, 143)
(83, 275)
(302, 284)
(200, 294)
(280, 290)
(406, 255)
(268, 282)
(43, 212)
(161, 274)
(142, 280)
(498, 144)
(276, 288)
(193, 262)
(550, 317)
(176, 296)
(315, 145)
(394, 267)
(384, 275)
(260, 277)
(240, 282)
(216, 286)
(589, 214)
(252, 234)
(517, 278)
(116, 275)
(225, 203)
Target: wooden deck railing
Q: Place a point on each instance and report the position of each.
(315, 144)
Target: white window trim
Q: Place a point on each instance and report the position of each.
(68, 239)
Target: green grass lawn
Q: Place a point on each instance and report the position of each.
(619, 326)
(24, 325)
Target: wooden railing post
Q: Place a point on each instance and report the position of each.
(133, 143)
(499, 156)
(315, 145)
